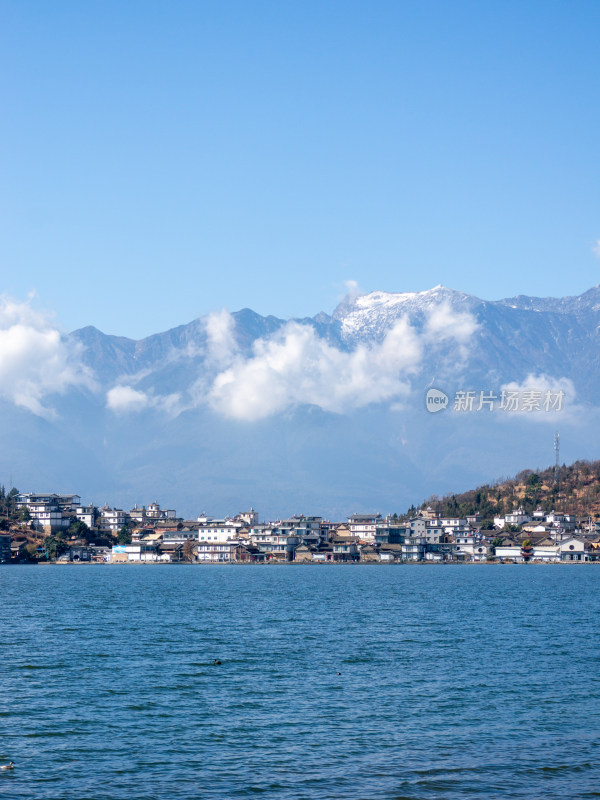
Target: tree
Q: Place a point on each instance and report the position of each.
(124, 536)
(78, 528)
(188, 550)
(54, 547)
(31, 550)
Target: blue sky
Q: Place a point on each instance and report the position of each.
(162, 160)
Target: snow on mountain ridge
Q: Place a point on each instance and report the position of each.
(372, 314)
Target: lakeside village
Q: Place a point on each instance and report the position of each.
(57, 528)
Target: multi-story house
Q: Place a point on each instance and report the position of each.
(49, 512)
(345, 549)
(217, 552)
(274, 542)
(518, 517)
(307, 529)
(179, 535)
(219, 530)
(86, 514)
(434, 532)
(364, 526)
(390, 533)
(112, 519)
(413, 548)
(249, 518)
(146, 516)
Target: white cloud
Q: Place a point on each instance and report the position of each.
(543, 398)
(221, 344)
(124, 399)
(296, 367)
(35, 360)
(445, 323)
(352, 288)
(596, 248)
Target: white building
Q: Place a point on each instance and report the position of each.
(573, 550)
(86, 514)
(364, 526)
(112, 519)
(248, 517)
(219, 531)
(49, 512)
(518, 517)
(140, 552)
(146, 516)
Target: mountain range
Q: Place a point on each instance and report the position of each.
(323, 415)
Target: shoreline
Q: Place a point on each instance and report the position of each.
(306, 564)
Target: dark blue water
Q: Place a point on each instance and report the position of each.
(455, 682)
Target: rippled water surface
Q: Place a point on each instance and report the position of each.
(456, 682)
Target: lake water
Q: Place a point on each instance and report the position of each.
(456, 682)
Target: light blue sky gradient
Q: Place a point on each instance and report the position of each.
(161, 160)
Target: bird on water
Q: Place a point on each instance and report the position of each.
(216, 662)
(10, 765)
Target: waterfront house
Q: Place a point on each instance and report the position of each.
(482, 551)
(388, 553)
(369, 553)
(246, 551)
(78, 553)
(573, 550)
(413, 548)
(323, 553)
(345, 549)
(5, 548)
(99, 553)
(140, 552)
(17, 547)
(439, 551)
(545, 550)
(171, 551)
(509, 550)
(216, 552)
(304, 553)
